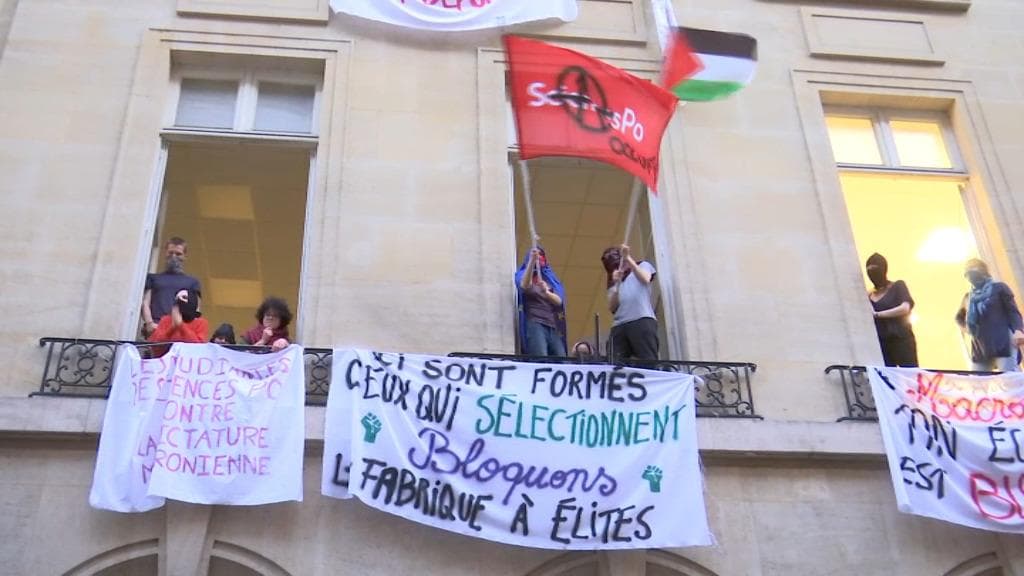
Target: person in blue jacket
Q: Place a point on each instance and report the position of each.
(541, 307)
(990, 317)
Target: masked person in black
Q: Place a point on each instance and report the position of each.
(184, 323)
(892, 305)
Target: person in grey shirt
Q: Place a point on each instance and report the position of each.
(635, 327)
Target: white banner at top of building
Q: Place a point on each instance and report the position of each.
(454, 15)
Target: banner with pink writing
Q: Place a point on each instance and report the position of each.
(955, 444)
(452, 15)
(201, 424)
(562, 456)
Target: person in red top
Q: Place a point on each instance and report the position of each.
(184, 324)
(273, 317)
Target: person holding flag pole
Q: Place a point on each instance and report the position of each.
(541, 297)
(569, 104)
(634, 323)
(541, 306)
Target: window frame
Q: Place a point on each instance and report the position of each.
(885, 140)
(247, 96)
(248, 77)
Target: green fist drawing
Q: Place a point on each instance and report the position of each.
(371, 426)
(653, 476)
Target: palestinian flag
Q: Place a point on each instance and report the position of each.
(705, 65)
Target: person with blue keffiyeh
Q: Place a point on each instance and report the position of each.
(990, 317)
(541, 307)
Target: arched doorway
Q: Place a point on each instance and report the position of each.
(654, 562)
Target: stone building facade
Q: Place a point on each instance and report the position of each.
(366, 171)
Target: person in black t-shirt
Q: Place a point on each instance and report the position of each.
(892, 306)
(162, 287)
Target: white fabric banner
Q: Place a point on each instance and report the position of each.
(455, 15)
(955, 445)
(562, 456)
(202, 424)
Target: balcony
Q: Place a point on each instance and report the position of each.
(860, 404)
(82, 368)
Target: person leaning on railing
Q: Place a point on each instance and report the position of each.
(184, 323)
(989, 315)
(271, 329)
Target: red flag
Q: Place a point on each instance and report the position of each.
(569, 104)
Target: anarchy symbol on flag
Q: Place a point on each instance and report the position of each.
(597, 101)
(582, 102)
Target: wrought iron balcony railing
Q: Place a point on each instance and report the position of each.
(860, 403)
(82, 368)
(725, 392)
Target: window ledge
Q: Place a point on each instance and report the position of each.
(943, 5)
(311, 11)
(190, 135)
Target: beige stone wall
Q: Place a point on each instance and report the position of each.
(410, 241)
(778, 269)
(780, 518)
(807, 498)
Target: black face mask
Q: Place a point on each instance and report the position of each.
(877, 277)
(175, 265)
(189, 310)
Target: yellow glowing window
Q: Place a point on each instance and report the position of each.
(853, 140)
(921, 226)
(920, 144)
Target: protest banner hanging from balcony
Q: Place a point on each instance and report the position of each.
(539, 455)
(201, 424)
(955, 445)
(570, 104)
(453, 15)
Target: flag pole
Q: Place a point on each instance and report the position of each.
(527, 200)
(524, 172)
(634, 199)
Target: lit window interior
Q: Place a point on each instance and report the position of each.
(853, 140)
(921, 227)
(242, 210)
(920, 144)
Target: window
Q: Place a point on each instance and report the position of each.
(580, 208)
(207, 104)
(241, 208)
(896, 140)
(853, 140)
(240, 141)
(904, 188)
(284, 108)
(254, 100)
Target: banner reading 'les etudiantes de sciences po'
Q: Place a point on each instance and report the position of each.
(538, 455)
